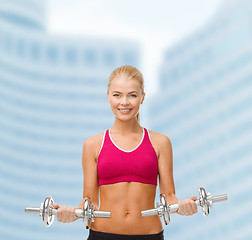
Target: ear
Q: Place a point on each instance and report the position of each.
(142, 98)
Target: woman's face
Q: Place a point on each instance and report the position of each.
(125, 97)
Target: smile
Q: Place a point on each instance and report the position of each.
(124, 110)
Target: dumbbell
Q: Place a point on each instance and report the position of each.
(47, 212)
(205, 201)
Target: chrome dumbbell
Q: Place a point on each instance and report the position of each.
(205, 201)
(47, 212)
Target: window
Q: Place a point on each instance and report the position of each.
(109, 58)
(20, 48)
(52, 54)
(35, 51)
(90, 57)
(71, 56)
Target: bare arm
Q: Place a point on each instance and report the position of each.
(66, 214)
(90, 180)
(166, 180)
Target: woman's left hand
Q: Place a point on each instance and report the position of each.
(188, 206)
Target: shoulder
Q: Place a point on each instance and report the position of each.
(93, 144)
(92, 141)
(159, 139)
(163, 146)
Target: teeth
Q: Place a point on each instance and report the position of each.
(124, 110)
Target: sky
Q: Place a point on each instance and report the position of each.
(156, 25)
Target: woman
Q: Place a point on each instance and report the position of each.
(121, 167)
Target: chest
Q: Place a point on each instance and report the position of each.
(126, 142)
(137, 162)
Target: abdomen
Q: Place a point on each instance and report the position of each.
(126, 200)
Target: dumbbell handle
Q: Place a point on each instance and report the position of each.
(174, 207)
(220, 198)
(35, 210)
(78, 212)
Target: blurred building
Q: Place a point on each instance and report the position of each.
(52, 98)
(204, 105)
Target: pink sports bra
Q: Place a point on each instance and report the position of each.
(117, 165)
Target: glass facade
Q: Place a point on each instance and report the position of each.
(52, 98)
(204, 105)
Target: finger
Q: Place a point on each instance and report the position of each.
(69, 215)
(194, 205)
(194, 198)
(60, 213)
(65, 214)
(73, 216)
(55, 205)
(194, 208)
(188, 208)
(181, 209)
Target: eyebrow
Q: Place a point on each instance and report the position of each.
(129, 92)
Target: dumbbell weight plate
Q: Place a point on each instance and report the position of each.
(166, 213)
(86, 208)
(204, 201)
(46, 214)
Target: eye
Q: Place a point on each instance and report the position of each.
(116, 95)
(133, 95)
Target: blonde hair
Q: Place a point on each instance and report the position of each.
(131, 72)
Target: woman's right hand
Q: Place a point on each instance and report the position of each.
(65, 214)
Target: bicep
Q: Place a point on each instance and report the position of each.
(166, 181)
(90, 184)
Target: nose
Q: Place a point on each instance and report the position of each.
(124, 101)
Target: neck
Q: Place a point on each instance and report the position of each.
(126, 126)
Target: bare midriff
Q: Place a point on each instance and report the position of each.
(126, 200)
